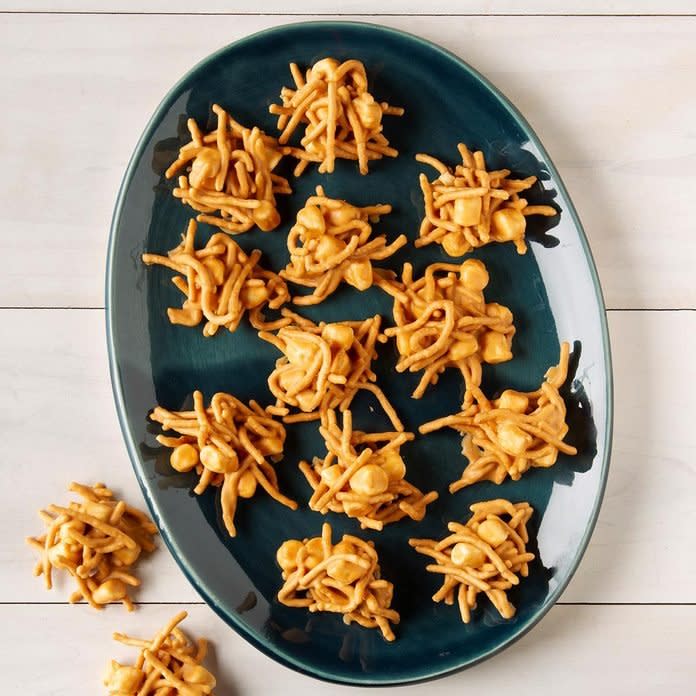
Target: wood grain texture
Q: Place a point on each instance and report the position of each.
(610, 98)
(60, 425)
(617, 119)
(364, 7)
(605, 652)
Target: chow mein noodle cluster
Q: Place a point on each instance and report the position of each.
(363, 475)
(468, 207)
(486, 555)
(513, 433)
(220, 283)
(324, 366)
(342, 119)
(331, 243)
(228, 445)
(442, 320)
(167, 665)
(342, 578)
(229, 175)
(97, 541)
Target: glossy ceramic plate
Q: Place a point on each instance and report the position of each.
(553, 292)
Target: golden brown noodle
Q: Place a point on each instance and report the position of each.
(331, 243)
(342, 118)
(362, 475)
(487, 555)
(167, 665)
(228, 444)
(509, 435)
(324, 366)
(442, 320)
(96, 541)
(220, 283)
(229, 178)
(469, 207)
(342, 578)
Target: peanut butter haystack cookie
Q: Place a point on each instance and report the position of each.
(331, 243)
(443, 321)
(167, 665)
(343, 578)
(363, 475)
(468, 207)
(324, 366)
(220, 283)
(97, 541)
(229, 175)
(507, 436)
(228, 445)
(342, 119)
(486, 555)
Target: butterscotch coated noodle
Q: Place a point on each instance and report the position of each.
(220, 283)
(486, 555)
(96, 541)
(168, 665)
(442, 321)
(324, 366)
(343, 578)
(331, 243)
(468, 207)
(228, 445)
(507, 436)
(229, 175)
(363, 475)
(342, 119)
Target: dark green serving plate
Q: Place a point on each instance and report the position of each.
(553, 292)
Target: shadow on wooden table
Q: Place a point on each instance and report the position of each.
(223, 671)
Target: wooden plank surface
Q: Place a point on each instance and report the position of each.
(605, 641)
(61, 425)
(611, 98)
(363, 7)
(617, 119)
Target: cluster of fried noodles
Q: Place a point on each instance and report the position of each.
(97, 541)
(167, 665)
(442, 320)
(363, 475)
(228, 444)
(342, 578)
(331, 243)
(343, 121)
(486, 555)
(468, 207)
(220, 283)
(229, 175)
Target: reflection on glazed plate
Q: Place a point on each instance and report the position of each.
(553, 292)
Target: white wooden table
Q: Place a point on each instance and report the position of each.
(613, 98)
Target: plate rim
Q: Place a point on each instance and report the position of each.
(230, 619)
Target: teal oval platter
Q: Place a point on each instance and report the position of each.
(553, 292)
